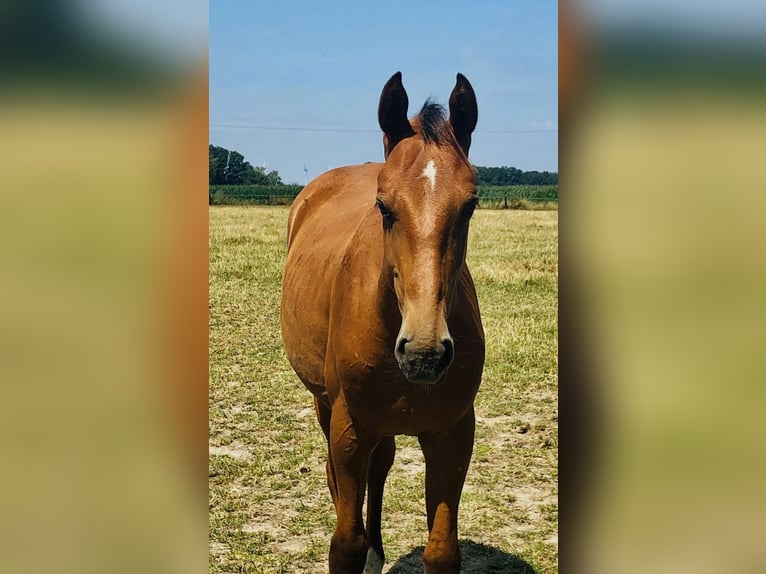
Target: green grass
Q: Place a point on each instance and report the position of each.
(270, 510)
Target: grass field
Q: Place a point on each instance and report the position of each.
(270, 510)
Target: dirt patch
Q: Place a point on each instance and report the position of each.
(529, 499)
(305, 413)
(219, 549)
(409, 462)
(553, 540)
(238, 409)
(295, 545)
(234, 450)
(264, 528)
(505, 421)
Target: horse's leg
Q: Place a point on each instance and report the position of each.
(380, 463)
(447, 455)
(350, 450)
(323, 415)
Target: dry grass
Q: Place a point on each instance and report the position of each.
(270, 510)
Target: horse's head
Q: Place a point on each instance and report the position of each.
(426, 196)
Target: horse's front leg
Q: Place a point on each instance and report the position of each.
(447, 455)
(350, 450)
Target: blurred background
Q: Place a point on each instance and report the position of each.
(103, 290)
(662, 249)
(103, 275)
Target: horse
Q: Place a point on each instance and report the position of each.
(381, 322)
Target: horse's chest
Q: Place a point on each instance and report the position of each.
(381, 399)
(391, 406)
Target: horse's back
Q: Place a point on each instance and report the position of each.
(322, 221)
(342, 194)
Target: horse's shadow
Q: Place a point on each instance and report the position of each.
(477, 559)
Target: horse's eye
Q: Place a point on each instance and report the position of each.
(388, 217)
(469, 207)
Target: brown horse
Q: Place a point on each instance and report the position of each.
(380, 320)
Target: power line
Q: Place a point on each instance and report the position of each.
(362, 130)
(291, 128)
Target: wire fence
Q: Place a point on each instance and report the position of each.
(490, 196)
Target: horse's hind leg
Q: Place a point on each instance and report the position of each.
(323, 415)
(380, 463)
(447, 456)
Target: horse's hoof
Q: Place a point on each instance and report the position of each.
(374, 564)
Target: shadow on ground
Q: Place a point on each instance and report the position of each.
(477, 559)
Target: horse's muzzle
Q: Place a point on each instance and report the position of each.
(424, 366)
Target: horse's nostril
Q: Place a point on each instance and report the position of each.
(449, 349)
(400, 346)
(449, 353)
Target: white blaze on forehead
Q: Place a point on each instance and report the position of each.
(430, 173)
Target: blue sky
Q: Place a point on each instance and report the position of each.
(312, 66)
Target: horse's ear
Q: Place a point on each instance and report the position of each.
(392, 113)
(463, 112)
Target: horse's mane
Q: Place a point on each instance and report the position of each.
(434, 126)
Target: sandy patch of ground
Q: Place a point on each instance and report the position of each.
(234, 450)
(409, 462)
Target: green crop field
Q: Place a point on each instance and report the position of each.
(270, 510)
(543, 197)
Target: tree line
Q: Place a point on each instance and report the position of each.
(513, 176)
(229, 167)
